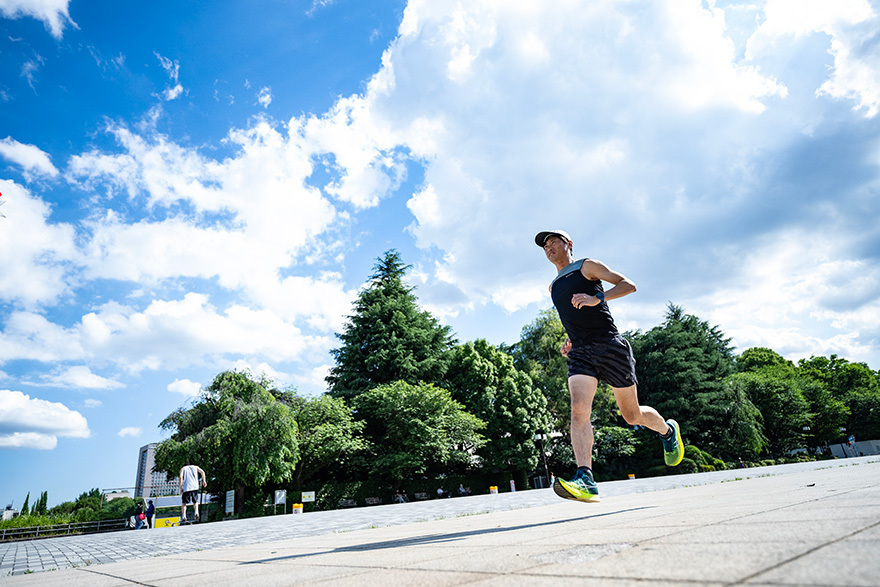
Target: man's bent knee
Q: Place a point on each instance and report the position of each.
(632, 416)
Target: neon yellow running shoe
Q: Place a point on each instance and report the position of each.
(580, 488)
(673, 447)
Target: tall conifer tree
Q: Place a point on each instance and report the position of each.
(681, 366)
(388, 338)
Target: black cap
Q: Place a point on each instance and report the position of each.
(542, 236)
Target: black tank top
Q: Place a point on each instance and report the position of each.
(586, 324)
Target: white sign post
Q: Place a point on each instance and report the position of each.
(308, 496)
(230, 501)
(280, 499)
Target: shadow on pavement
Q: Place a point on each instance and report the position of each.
(438, 538)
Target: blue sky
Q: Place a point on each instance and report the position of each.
(191, 188)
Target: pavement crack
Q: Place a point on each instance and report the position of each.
(803, 554)
(112, 576)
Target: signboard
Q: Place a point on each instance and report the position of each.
(308, 496)
(280, 496)
(165, 522)
(230, 501)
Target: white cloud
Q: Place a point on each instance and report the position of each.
(798, 294)
(36, 253)
(172, 68)
(264, 98)
(30, 336)
(851, 27)
(82, 377)
(132, 431)
(28, 157)
(185, 387)
(178, 333)
(36, 423)
(93, 403)
(53, 13)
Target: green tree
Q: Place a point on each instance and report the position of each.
(238, 432)
(740, 432)
(612, 448)
(538, 355)
(388, 338)
(416, 429)
(40, 508)
(758, 357)
(328, 436)
(485, 381)
(853, 384)
(681, 365)
(784, 410)
(26, 505)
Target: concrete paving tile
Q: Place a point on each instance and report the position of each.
(526, 579)
(243, 555)
(503, 559)
(267, 576)
(65, 578)
(155, 570)
(669, 562)
(623, 534)
(848, 563)
(815, 512)
(385, 577)
(803, 532)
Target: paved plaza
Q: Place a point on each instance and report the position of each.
(801, 524)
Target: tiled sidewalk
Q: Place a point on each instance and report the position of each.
(95, 550)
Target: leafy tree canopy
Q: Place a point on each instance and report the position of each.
(416, 429)
(328, 436)
(758, 357)
(484, 379)
(783, 407)
(238, 432)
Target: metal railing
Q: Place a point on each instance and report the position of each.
(36, 532)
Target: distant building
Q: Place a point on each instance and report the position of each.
(110, 496)
(10, 513)
(150, 483)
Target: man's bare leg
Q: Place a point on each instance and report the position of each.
(582, 389)
(636, 415)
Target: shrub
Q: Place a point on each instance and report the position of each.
(687, 466)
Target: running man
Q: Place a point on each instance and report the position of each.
(596, 351)
(189, 489)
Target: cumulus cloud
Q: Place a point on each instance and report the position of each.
(37, 254)
(185, 387)
(132, 431)
(30, 158)
(81, 377)
(27, 422)
(53, 13)
(850, 27)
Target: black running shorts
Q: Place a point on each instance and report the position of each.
(190, 497)
(610, 360)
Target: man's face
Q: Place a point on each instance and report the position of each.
(555, 247)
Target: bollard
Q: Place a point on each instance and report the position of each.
(493, 489)
(297, 508)
(632, 475)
